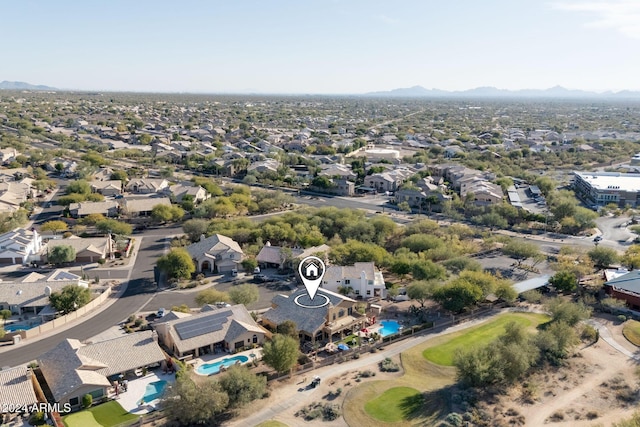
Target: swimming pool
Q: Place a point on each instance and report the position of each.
(214, 368)
(154, 390)
(13, 327)
(389, 327)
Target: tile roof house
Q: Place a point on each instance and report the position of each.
(107, 188)
(72, 369)
(82, 209)
(31, 292)
(212, 330)
(16, 388)
(388, 180)
(13, 194)
(146, 185)
(87, 249)
(179, 191)
(362, 277)
(142, 207)
(216, 253)
(273, 257)
(20, 246)
(329, 315)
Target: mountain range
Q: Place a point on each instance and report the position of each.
(23, 86)
(492, 92)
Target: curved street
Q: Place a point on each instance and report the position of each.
(139, 289)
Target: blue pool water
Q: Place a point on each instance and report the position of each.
(12, 327)
(154, 390)
(389, 327)
(214, 368)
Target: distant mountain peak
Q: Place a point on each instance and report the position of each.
(493, 92)
(7, 85)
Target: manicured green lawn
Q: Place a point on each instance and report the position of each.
(271, 423)
(631, 332)
(81, 419)
(395, 404)
(442, 354)
(105, 415)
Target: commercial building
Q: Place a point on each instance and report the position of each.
(603, 188)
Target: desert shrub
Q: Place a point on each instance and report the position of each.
(388, 365)
(621, 318)
(366, 374)
(589, 334)
(454, 419)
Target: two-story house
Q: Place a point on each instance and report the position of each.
(216, 253)
(361, 280)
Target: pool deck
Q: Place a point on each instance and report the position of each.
(210, 358)
(136, 388)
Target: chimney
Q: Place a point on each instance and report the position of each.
(202, 237)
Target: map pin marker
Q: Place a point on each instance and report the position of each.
(311, 270)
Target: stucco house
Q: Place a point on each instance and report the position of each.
(20, 246)
(216, 253)
(213, 330)
(73, 369)
(16, 388)
(146, 185)
(197, 193)
(328, 316)
(82, 209)
(87, 249)
(107, 188)
(363, 279)
(30, 294)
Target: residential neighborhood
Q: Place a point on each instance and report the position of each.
(154, 248)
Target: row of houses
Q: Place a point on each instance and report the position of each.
(22, 246)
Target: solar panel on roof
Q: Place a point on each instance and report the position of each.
(203, 325)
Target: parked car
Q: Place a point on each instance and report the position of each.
(161, 312)
(260, 277)
(597, 239)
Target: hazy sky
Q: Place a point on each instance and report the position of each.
(321, 46)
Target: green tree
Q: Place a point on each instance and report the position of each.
(87, 401)
(55, 226)
(177, 264)
(564, 281)
(522, 251)
(281, 352)
(631, 257)
(249, 264)
(404, 207)
(242, 386)
(421, 291)
(211, 296)
(194, 228)
(5, 315)
(457, 295)
(505, 292)
(70, 298)
(289, 328)
(568, 312)
(245, 294)
(92, 219)
(61, 254)
(354, 251)
(161, 213)
(114, 226)
(79, 187)
(119, 175)
(71, 198)
(427, 270)
(603, 257)
(545, 184)
(189, 403)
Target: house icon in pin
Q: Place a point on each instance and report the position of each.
(311, 270)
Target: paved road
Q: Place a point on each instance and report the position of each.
(139, 290)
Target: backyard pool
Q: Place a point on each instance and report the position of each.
(389, 327)
(13, 327)
(154, 390)
(214, 368)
